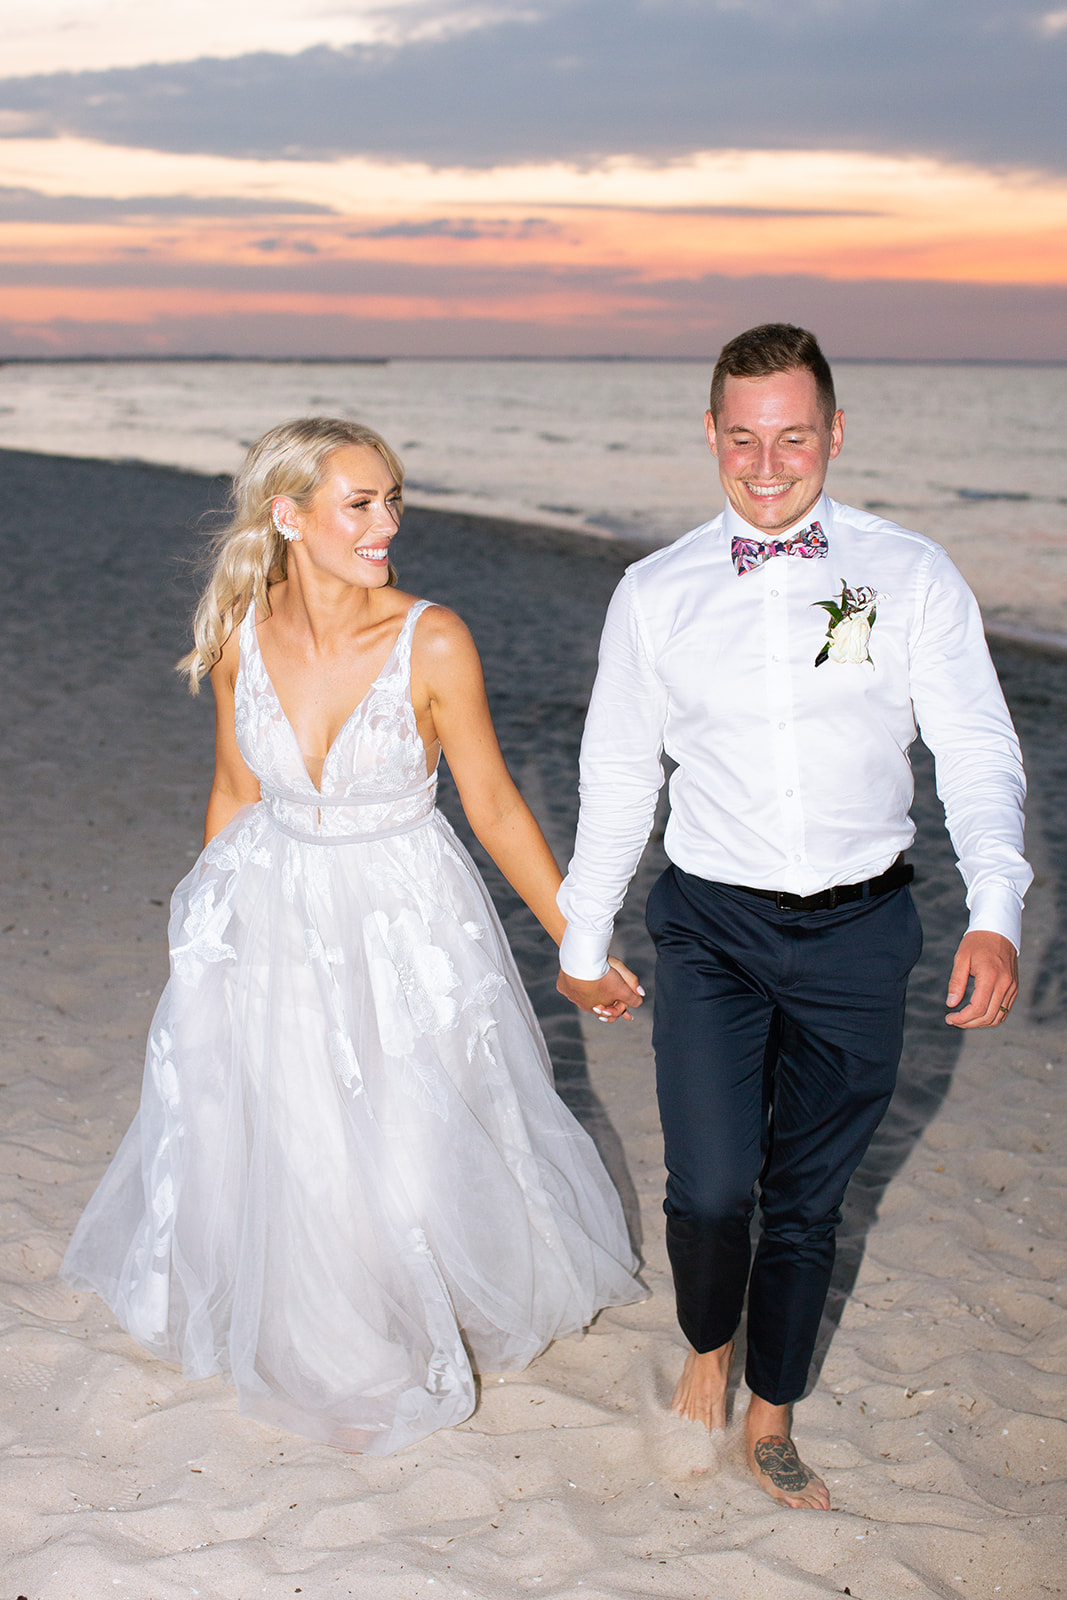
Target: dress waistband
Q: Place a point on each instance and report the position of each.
(317, 802)
(356, 838)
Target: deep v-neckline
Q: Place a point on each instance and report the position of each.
(360, 703)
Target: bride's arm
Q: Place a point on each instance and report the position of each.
(447, 684)
(448, 691)
(233, 785)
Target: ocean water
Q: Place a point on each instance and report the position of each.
(975, 456)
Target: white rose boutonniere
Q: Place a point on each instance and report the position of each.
(849, 632)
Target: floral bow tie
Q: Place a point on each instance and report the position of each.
(748, 554)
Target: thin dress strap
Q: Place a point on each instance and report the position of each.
(406, 637)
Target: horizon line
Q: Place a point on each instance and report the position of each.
(143, 357)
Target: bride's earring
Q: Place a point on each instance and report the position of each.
(287, 533)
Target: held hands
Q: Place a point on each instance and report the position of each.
(609, 997)
(990, 960)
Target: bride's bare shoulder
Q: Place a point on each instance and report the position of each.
(441, 630)
(444, 657)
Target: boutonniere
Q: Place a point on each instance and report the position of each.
(849, 631)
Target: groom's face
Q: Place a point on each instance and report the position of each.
(773, 444)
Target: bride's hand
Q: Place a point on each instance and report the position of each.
(618, 1011)
(629, 978)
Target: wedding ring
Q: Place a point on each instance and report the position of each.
(1005, 1009)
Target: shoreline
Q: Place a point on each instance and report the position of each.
(560, 534)
(936, 1415)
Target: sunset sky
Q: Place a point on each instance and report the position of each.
(532, 177)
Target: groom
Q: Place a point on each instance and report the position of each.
(784, 655)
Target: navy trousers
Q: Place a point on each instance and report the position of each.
(777, 1037)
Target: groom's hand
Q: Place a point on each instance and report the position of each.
(609, 997)
(989, 962)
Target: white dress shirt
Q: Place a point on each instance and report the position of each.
(791, 776)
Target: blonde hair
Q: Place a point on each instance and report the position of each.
(249, 555)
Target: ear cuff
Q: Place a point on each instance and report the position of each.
(287, 533)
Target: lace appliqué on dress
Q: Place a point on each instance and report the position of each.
(204, 924)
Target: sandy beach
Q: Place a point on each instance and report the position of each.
(937, 1413)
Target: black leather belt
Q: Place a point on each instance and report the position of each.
(894, 877)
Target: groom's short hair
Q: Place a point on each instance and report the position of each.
(773, 347)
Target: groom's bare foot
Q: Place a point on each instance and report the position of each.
(701, 1392)
(773, 1459)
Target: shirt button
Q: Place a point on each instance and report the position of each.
(789, 792)
(781, 726)
(774, 594)
(796, 858)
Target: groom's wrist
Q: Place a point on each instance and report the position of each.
(583, 955)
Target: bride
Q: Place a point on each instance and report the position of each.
(350, 1187)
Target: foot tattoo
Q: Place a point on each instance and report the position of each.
(777, 1458)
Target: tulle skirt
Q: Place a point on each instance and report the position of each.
(350, 1186)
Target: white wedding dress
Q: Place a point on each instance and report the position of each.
(350, 1185)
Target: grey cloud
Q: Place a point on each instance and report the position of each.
(581, 79)
(714, 211)
(458, 228)
(903, 319)
(304, 247)
(324, 276)
(27, 205)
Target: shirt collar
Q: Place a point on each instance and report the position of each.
(735, 527)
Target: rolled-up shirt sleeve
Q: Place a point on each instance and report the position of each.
(621, 776)
(964, 721)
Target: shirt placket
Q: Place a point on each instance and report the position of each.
(782, 713)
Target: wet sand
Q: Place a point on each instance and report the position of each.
(936, 1415)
